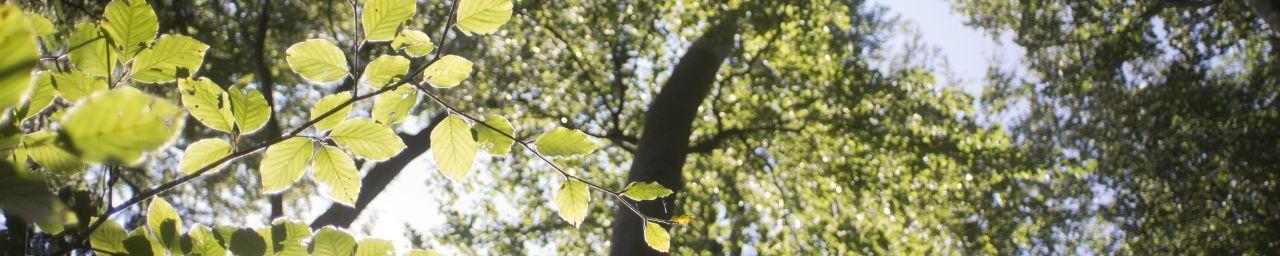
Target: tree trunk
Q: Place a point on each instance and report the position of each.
(664, 141)
(378, 177)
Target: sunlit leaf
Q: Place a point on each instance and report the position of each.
(562, 142)
(287, 237)
(415, 43)
(43, 148)
(682, 219)
(483, 16)
(20, 55)
(164, 222)
(90, 52)
(207, 102)
(38, 97)
(447, 72)
(109, 237)
(453, 148)
(645, 191)
(131, 24)
(329, 103)
(172, 57)
(367, 139)
(336, 170)
(656, 236)
(249, 108)
(202, 242)
(384, 70)
(572, 201)
(330, 241)
(317, 60)
(140, 244)
(421, 252)
(284, 163)
(393, 106)
(202, 153)
(121, 124)
(76, 85)
(381, 18)
(25, 196)
(375, 247)
(39, 25)
(493, 141)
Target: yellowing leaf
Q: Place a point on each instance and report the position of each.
(164, 222)
(20, 56)
(284, 163)
(249, 108)
(682, 219)
(381, 18)
(483, 16)
(76, 85)
(393, 106)
(172, 57)
(335, 169)
(89, 50)
(121, 124)
(131, 24)
(317, 60)
(645, 191)
(493, 141)
(572, 201)
(384, 70)
(414, 42)
(202, 153)
(207, 102)
(367, 139)
(453, 148)
(564, 142)
(447, 72)
(330, 241)
(329, 103)
(656, 236)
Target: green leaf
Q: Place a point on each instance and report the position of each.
(336, 170)
(656, 236)
(421, 252)
(284, 163)
(249, 108)
(90, 52)
(164, 223)
(172, 57)
(384, 70)
(39, 25)
(76, 85)
(453, 148)
(414, 42)
(207, 102)
(121, 124)
(645, 191)
(247, 242)
(140, 244)
(562, 142)
(202, 153)
(43, 148)
(493, 141)
(572, 201)
(329, 103)
(20, 55)
(483, 16)
(381, 18)
(375, 247)
(109, 237)
(317, 60)
(26, 197)
(39, 97)
(287, 237)
(330, 241)
(131, 24)
(393, 106)
(200, 241)
(447, 72)
(367, 139)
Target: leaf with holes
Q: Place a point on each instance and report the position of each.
(415, 43)
(207, 102)
(494, 141)
(393, 106)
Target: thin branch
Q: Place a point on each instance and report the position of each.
(705, 146)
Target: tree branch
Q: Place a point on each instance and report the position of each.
(705, 146)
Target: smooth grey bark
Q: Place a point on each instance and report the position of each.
(663, 147)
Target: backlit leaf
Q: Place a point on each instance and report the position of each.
(131, 24)
(572, 201)
(393, 106)
(202, 153)
(76, 85)
(453, 148)
(375, 247)
(207, 102)
(330, 241)
(249, 108)
(140, 244)
(415, 43)
(172, 57)
(336, 170)
(367, 139)
(656, 236)
(202, 242)
(109, 237)
(19, 56)
(493, 141)
(483, 16)
(562, 142)
(42, 147)
(384, 70)
(284, 163)
(164, 222)
(317, 60)
(39, 97)
(645, 191)
(447, 72)
(329, 103)
(381, 18)
(287, 237)
(90, 51)
(39, 25)
(121, 124)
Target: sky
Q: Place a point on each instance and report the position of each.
(968, 52)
